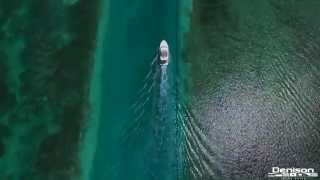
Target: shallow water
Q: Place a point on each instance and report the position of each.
(45, 64)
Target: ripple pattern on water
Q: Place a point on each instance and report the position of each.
(254, 89)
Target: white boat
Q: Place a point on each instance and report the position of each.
(164, 53)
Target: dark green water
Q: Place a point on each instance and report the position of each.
(45, 64)
(254, 88)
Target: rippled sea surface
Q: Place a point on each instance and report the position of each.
(254, 69)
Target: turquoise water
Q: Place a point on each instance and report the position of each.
(138, 130)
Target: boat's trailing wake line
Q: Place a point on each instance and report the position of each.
(202, 160)
(167, 121)
(144, 98)
(164, 86)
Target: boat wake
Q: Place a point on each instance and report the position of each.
(145, 97)
(155, 129)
